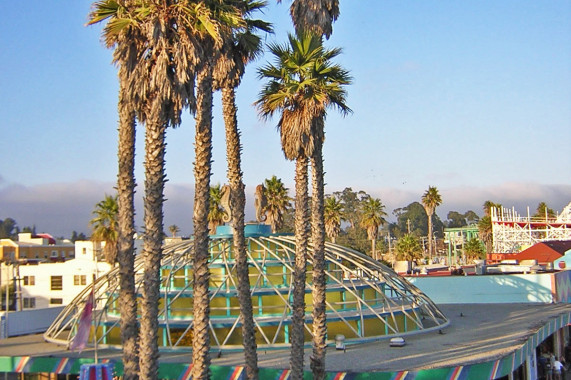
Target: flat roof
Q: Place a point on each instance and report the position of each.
(478, 333)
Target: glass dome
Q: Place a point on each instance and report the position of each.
(365, 299)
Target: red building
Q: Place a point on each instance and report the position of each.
(545, 252)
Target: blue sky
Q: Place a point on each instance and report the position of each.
(471, 97)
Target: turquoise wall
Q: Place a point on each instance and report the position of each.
(513, 288)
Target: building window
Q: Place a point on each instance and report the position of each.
(54, 253)
(56, 301)
(84, 251)
(56, 282)
(29, 280)
(29, 303)
(79, 279)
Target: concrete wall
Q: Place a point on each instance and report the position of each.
(27, 321)
(514, 288)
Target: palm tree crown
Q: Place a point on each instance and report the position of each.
(408, 248)
(216, 213)
(333, 215)
(277, 202)
(174, 229)
(104, 226)
(372, 217)
(302, 84)
(314, 16)
(431, 199)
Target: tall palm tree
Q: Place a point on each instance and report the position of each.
(277, 202)
(225, 18)
(372, 217)
(125, 237)
(333, 215)
(316, 17)
(430, 200)
(241, 47)
(104, 226)
(127, 43)
(301, 85)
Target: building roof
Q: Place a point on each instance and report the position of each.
(50, 238)
(545, 252)
(480, 338)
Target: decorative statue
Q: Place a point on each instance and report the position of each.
(260, 202)
(225, 203)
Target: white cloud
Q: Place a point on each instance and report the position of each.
(62, 208)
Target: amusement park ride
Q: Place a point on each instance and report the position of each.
(513, 232)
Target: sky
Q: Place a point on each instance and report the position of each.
(471, 97)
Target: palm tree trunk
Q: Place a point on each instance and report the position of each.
(202, 171)
(153, 238)
(301, 241)
(319, 279)
(374, 248)
(125, 244)
(430, 237)
(238, 201)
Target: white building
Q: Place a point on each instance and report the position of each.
(56, 284)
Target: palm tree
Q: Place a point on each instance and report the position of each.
(488, 205)
(125, 239)
(544, 212)
(333, 215)
(474, 249)
(225, 18)
(485, 230)
(408, 248)
(173, 229)
(127, 45)
(372, 217)
(216, 214)
(430, 200)
(237, 51)
(104, 226)
(277, 202)
(301, 86)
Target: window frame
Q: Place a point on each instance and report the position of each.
(53, 283)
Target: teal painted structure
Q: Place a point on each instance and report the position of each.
(365, 300)
(455, 238)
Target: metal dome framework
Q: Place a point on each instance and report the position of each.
(365, 299)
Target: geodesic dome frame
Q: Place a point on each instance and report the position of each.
(365, 299)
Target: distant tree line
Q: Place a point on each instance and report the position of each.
(9, 230)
